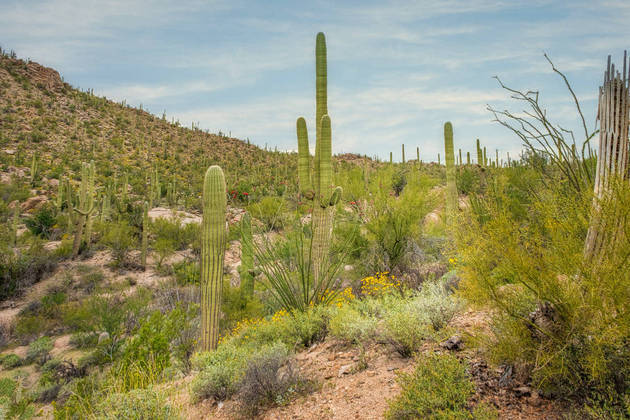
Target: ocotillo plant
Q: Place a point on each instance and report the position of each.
(451, 188)
(86, 205)
(145, 235)
(247, 256)
(213, 236)
(319, 187)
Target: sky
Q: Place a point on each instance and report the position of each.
(397, 70)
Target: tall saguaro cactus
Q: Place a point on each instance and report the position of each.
(318, 187)
(451, 188)
(479, 154)
(612, 160)
(86, 204)
(213, 237)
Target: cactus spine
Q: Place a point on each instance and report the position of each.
(451, 188)
(247, 256)
(86, 204)
(213, 236)
(321, 190)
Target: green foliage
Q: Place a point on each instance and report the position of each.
(438, 388)
(42, 221)
(220, 371)
(11, 361)
(137, 404)
(38, 351)
(408, 322)
(269, 378)
(120, 238)
(270, 211)
(349, 324)
(566, 325)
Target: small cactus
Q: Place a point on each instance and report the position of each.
(213, 237)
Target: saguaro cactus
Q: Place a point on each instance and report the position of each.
(451, 188)
(318, 187)
(403, 153)
(467, 158)
(612, 159)
(418, 154)
(247, 256)
(479, 154)
(86, 204)
(213, 236)
(145, 235)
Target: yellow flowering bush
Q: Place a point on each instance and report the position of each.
(379, 284)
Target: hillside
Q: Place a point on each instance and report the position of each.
(42, 115)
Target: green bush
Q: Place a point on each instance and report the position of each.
(350, 325)
(410, 321)
(557, 317)
(220, 371)
(438, 388)
(120, 238)
(138, 404)
(11, 361)
(269, 378)
(42, 221)
(38, 351)
(270, 211)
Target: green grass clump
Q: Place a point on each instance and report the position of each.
(39, 351)
(137, 404)
(438, 388)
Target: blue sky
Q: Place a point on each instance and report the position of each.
(397, 70)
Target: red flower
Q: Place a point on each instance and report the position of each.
(245, 193)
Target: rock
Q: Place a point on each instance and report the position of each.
(102, 337)
(33, 203)
(169, 214)
(535, 399)
(453, 343)
(9, 151)
(506, 376)
(52, 245)
(13, 204)
(344, 370)
(523, 391)
(53, 182)
(348, 267)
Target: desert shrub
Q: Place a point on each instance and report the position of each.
(24, 268)
(42, 221)
(120, 238)
(558, 317)
(137, 404)
(269, 378)
(350, 325)
(39, 351)
(14, 403)
(393, 223)
(186, 272)
(237, 305)
(438, 388)
(84, 340)
(410, 321)
(220, 371)
(270, 211)
(178, 236)
(11, 361)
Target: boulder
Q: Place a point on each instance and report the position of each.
(33, 203)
